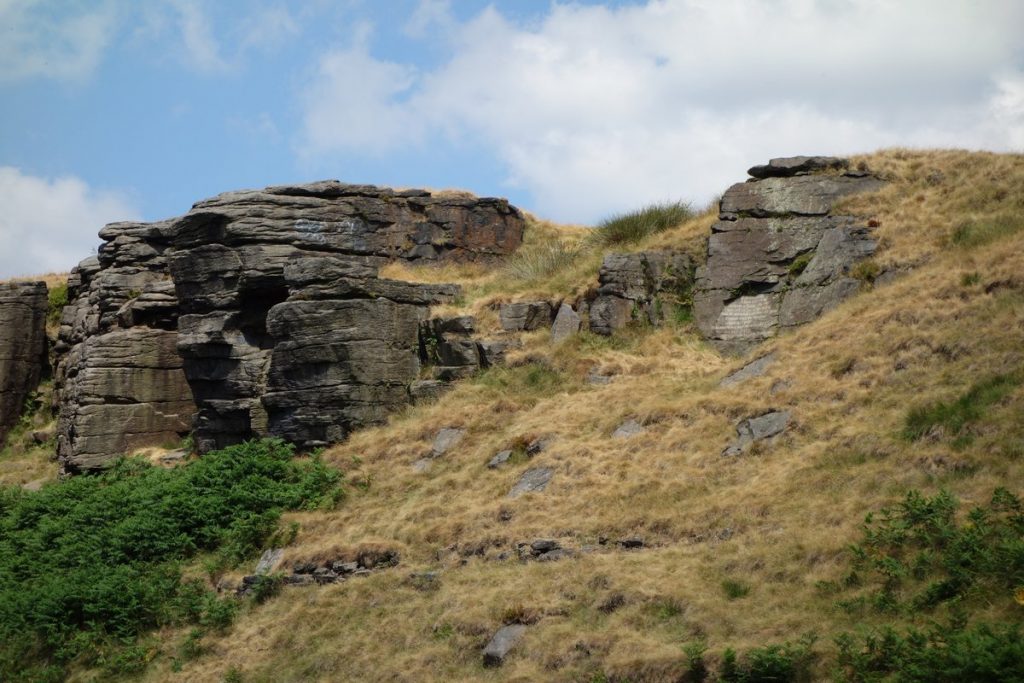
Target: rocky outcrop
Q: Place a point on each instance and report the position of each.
(264, 314)
(639, 287)
(23, 308)
(778, 257)
(120, 382)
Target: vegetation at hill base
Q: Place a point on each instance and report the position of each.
(91, 565)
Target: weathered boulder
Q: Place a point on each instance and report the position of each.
(567, 324)
(758, 428)
(639, 287)
(23, 308)
(777, 257)
(272, 300)
(502, 643)
(754, 368)
(533, 480)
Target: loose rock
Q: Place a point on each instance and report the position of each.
(566, 324)
(446, 439)
(533, 480)
(627, 429)
(754, 368)
(502, 643)
(499, 459)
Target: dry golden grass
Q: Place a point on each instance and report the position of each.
(51, 279)
(777, 519)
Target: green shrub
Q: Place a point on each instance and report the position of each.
(58, 296)
(918, 555)
(629, 228)
(975, 233)
(948, 654)
(783, 663)
(954, 417)
(88, 565)
(735, 589)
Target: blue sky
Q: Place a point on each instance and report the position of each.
(116, 109)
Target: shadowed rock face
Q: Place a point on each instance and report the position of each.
(23, 307)
(778, 257)
(280, 323)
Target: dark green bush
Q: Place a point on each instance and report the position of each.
(918, 555)
(785, 663)
(89, 564)
(632, 227)
(948, 654)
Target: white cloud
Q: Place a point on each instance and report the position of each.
(596, 109)
(49, 225)
(65, 43)
(201, 49)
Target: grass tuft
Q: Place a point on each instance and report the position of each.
(955, 416)
(629, 228)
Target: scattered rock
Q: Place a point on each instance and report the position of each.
(597, 378)
(632, 543)
(175, 456)
(544, 545)
(538, 445)
(428, 389)
(492, 353)
(502, 643)
(756, 429)
(525, 316)
(499, 459)
(422, 465)
(567, 324)
(446, 439)
(533, 480)
(778, 386)
(269, 560)
(555, 555)
(754, 368)
(627, 429)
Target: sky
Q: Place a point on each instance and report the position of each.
(125, 110)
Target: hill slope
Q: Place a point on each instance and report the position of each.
(913, 384)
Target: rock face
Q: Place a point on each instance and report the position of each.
(778, 257)
(23, 307)
(119, 379)
(633, 286)
(263, 313)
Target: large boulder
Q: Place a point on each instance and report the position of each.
(778, 257)
(23, 308)
(271, 311)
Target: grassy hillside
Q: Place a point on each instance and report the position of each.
(913, 385)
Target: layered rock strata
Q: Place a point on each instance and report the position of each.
(271, 302)
(120, 382)
(778, 257)
(639, 287)
(23, 308)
